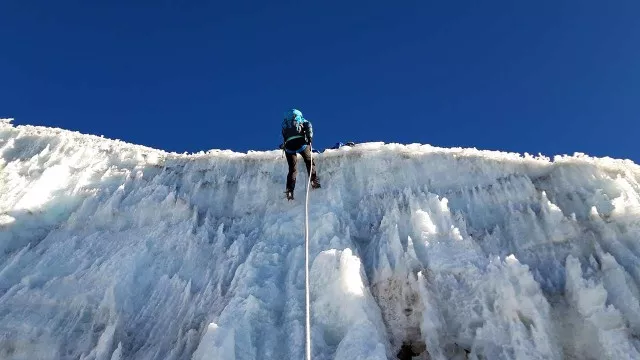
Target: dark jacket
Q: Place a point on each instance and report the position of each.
(296, 136)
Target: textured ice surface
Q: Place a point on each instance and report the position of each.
(114, 251)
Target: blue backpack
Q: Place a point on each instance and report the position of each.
(294, 126)
(293, 120)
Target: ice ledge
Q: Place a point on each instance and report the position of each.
(362, 149)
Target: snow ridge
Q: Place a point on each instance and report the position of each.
(115, 251)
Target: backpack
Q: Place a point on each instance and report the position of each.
(293, 120)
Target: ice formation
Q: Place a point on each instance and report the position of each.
(115, 251)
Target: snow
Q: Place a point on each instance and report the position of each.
(110, 250)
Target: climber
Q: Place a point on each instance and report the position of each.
(297, 136)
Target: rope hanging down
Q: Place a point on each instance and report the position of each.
(306, 256)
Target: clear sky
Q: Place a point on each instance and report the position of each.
(549, 77)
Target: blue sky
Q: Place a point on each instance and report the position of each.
(549, 77)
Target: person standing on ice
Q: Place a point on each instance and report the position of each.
(297, 135)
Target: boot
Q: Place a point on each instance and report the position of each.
(289, 194)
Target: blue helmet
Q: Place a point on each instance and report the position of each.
(293, 114)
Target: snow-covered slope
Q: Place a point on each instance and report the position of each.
(115, 251)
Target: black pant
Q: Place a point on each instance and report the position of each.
(292, 160)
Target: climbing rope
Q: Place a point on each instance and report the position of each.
(306, 255)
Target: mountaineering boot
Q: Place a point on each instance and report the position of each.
(289, 194)
(315, 184)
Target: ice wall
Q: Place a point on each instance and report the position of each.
(114, 251)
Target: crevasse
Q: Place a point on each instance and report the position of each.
(115, 251)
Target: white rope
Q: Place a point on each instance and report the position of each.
(306, 256)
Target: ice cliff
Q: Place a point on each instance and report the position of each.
(115, 251)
